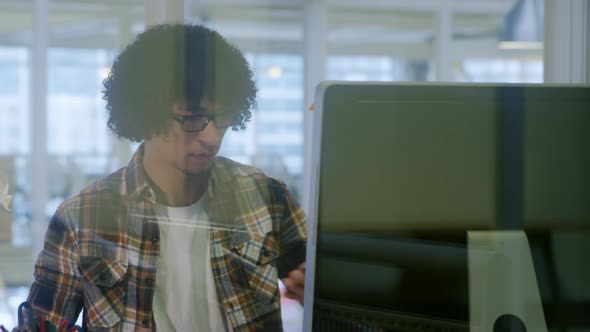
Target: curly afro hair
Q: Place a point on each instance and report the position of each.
(175, 63)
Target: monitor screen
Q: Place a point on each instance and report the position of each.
(405, 171)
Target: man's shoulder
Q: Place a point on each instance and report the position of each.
(108, 188)
(103, 195)
(232, 168)
(244, 176)
(109, 184)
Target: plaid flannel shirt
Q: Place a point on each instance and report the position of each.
(101, 249)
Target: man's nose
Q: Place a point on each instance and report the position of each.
(210, 136)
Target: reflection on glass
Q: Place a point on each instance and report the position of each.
(396, 41)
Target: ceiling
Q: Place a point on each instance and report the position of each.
(372, 26)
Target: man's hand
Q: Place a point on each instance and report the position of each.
(295, 282)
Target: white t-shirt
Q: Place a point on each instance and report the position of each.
(185, 297)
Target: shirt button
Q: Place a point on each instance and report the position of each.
(145, 322)
(149, 282)
(154, 239)
(147, 195)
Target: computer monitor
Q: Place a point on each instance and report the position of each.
(402, 173)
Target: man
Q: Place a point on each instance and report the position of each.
(179, 239)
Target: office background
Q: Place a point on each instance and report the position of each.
(54, 55)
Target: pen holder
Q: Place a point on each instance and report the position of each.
(28, 323)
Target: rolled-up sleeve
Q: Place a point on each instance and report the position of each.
(56, 291)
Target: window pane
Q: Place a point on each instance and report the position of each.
(76, 114)
(14, 100)
(15, 256)
(82, 38)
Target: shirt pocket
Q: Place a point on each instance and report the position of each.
(105, 285)
(258, 258)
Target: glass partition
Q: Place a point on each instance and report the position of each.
(421, 40)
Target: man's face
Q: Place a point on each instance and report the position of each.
(189, 152)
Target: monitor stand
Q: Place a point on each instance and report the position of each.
(503, 290)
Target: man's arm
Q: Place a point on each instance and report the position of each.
(292, 241)
(56, 291)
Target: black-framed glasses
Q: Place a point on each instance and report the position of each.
(198, 121)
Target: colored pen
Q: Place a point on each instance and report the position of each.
(62, 326)
(42, 323)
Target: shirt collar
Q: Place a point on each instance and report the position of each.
(137, 183)
(136, 179)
